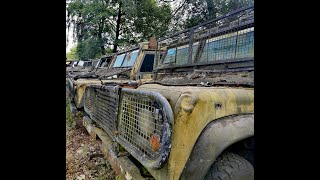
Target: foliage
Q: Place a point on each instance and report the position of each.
(100, 24)
(91, 23)
(72, 55)
(70, 123)
(192, 12)
(89, 48)
(149, 18)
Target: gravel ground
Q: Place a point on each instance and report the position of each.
(84, 159)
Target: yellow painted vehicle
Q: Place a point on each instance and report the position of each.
(127, 68)
(195, 119)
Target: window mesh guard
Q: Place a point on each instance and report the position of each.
(224, 39)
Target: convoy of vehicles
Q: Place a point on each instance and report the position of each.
(126, 68)
(181, 110)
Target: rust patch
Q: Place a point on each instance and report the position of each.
(155, 142)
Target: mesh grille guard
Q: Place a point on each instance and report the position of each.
(145, 126)
(101, 104)
(142, 119)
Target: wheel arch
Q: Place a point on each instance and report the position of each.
(70, 88)
(213, 140)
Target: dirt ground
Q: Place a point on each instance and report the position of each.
(84, 159)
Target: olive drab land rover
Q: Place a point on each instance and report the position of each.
(195, 118)
(126, 68)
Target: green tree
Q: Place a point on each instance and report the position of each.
(89, 48)
(138, 20)
(192, 12)
(92, 22)
(149, 18)
(102, 23)
(72, 55)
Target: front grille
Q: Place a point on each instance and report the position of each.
(144, 123)
(144, 126)
(101, 104)
(89, 97)
(139, 121)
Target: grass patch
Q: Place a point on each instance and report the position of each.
(70, 121)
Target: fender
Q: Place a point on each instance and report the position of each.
(79, 98)
(215, 138)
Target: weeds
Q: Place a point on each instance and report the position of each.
(70, 122)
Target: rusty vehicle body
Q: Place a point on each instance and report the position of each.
(195, 118)
(126, 68)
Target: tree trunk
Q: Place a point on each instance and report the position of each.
(103, 52)
(115, 44)
(211, 9)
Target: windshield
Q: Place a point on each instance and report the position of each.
(130, 59)
(119, 60)
(95, 63)
(80, 63)
(75, 64)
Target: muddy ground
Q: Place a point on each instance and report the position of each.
(84, 159)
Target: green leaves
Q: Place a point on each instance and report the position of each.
(89, 48)
(96, 23)
(151, 19)
(92, 19)
(72, 55)
(193, 12)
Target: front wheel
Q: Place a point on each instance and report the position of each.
(229, 166)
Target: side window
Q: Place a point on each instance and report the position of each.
(147, 64)
(245, 44)
(170, 56)
(182, 55)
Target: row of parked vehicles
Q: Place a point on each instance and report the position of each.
(179, 107)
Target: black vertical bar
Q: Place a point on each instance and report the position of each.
(156, 61)
(175, 55)
(190, 46)
(156, 57)
(235, 51)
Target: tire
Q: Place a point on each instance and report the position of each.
(229, 166)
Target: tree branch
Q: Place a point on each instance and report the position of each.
(181, 5)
